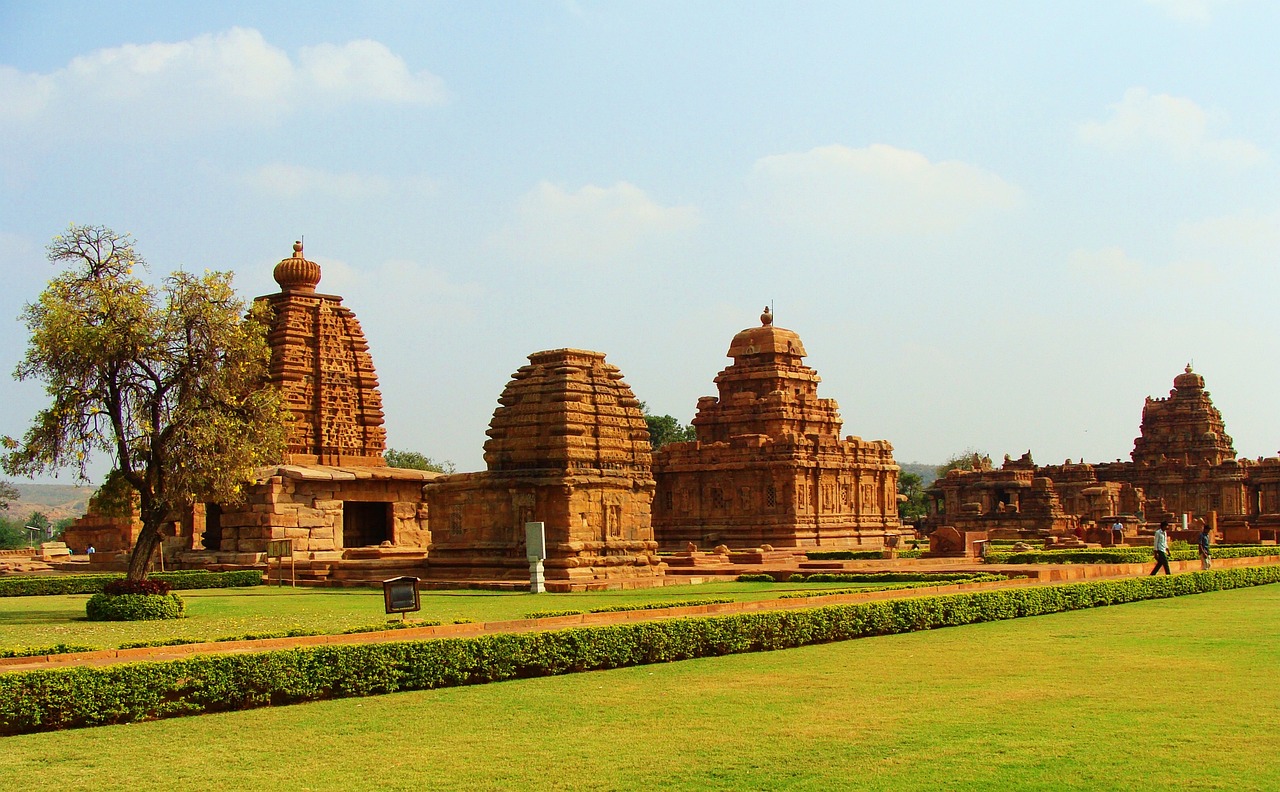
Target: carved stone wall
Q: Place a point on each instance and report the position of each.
(329, 509)
(321, 363)
(568, 446)
(769, 466)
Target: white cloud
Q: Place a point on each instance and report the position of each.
(1174, 125)
(1188, 10)
(594, 224)
(879, 189)
(233, 77)
(284, 181)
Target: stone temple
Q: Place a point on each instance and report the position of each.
(769, 465)
(1183, 463)
(568, 447)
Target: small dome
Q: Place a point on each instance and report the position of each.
(296, 273)
(766, 339)
(1188, 380)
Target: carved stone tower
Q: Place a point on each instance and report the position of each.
(320, 361)
(1185, 427)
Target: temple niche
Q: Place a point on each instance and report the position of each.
(1183, 463)
(568, 447)
(769, 465)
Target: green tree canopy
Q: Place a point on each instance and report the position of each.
(8, 493)
(665, 429)
(417, 461)
(170, 381)
(911, 487)
(965, 460)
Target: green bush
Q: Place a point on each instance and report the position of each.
(40, 651)
(1124, 555)
(94, 584)
(621, 608)
(755, 578)
(33, 701)
(855, 555)
(981, 577)
(135, 607)
(891, 577)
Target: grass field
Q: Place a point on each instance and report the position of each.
(219, 613)
(1163, 694)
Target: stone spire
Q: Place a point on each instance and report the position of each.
(767, 390)
(1185, 427)
(321, 363)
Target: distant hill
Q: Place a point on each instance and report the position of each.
(57, 501)
(927, 473)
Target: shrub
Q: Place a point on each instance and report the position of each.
(135, 607)
(621, 608)
(755, 578)
(893, 577)
(40, 651)
(80, 696)
(856, 555)
(1123, 555)
(148, 586)
(93, 584)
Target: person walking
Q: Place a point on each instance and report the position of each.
(1162, 549)
(1206, 561)
(1117, 533)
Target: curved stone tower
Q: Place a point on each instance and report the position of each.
(320, 361)
(568, 446)
(769, 465)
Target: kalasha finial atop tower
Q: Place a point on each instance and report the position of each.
(296, 274)
(766, 318)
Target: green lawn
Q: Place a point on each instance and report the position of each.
(1163, 694)
(219, 613)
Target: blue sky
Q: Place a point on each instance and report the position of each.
(995, 225)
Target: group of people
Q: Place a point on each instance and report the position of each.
(1162, 548)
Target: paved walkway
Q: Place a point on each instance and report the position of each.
(1036, 575)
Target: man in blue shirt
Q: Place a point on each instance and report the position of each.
(1205, 560)
(1162, 549)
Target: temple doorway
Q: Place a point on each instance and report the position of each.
(365, 524)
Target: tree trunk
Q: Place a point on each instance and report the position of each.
(148, 540)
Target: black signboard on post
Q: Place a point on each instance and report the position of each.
(400, 595)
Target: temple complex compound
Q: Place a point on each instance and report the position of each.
(769, 466)
(1183, 463)
(568, 446)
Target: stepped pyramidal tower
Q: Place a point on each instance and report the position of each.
(769, 465)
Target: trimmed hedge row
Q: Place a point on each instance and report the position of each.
(619, 608)
(1124, 555)
(890, 577)
(91, 696)
(41, 651)
(94, 583)
(856, 555)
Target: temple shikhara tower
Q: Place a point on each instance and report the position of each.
(332, 494)
(769, 465)
(321, 363)
(568, 447)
